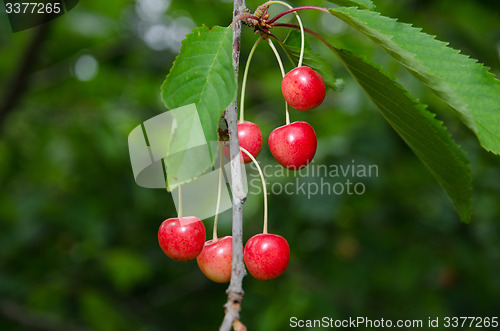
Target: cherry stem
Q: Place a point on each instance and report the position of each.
(270, 42)
(291, 9)
(245, 76)
(314, 33)
(277, 17)
(242, 17)
(180, 201)
(283, 47)
(264, 188)
(219, 193)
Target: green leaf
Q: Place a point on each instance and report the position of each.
(203, 74)
(311, 59)
(174, 139)
(466, 85)
(425, 135)
(362, 4)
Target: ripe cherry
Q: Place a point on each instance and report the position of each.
(215, 260)
(266, 256)
(182, 239)
(303, 88)
(250, 138)
(293, 145)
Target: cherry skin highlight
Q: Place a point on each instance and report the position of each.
(250, 138)
(303, 88)
(215, 260)
(266, 256)
(293, 145)
(182, 239)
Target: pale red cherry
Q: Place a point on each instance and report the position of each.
(266, 256)
(182, 239)
(293, 145)
(215, 260)
(250, 138)
(303, 88)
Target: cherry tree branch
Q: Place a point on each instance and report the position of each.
(235, 289)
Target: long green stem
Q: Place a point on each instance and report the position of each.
(219, 193)
(287, 112)
(313, 33)
(277, 56)
(302, 41)
(245, 76)
(180, 201)
(264, 188)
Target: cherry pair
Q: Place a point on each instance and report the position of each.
(266, 257)
(183, 239)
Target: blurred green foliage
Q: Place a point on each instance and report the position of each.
(78, 239)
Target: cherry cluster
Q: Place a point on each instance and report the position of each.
(293, 145)
(183, 239)
(266, 256)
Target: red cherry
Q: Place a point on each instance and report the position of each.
(303, 88)
(215, 259)
(266, 256)
(182, 239)
(293, 145)
(250, 138)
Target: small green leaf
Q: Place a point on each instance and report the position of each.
(425, 135)
(464, 84)
(203, 74)
(311, 59)
(362, 4)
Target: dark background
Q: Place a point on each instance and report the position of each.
(78, 237)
